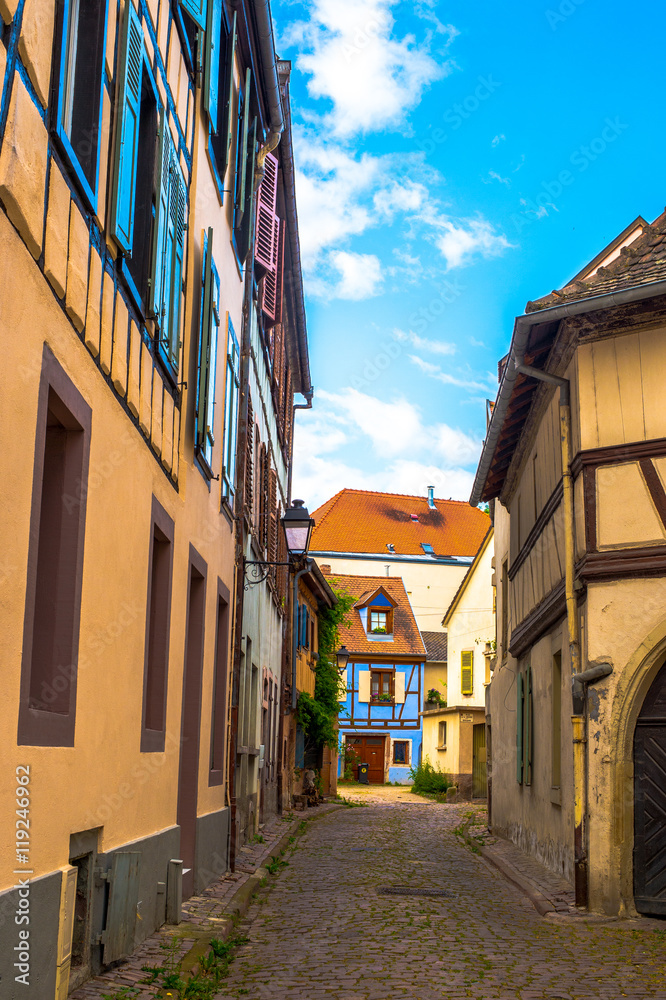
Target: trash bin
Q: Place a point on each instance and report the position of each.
(363, 774)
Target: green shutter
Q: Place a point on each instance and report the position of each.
(246, 224)
(467, 672)
(161, 225)
(527, 736)
(241, 180)
(212, 62)
(197, 9)
(204, 344)
(127, 130)
(227, 116)
(519, 727)
(180, 201)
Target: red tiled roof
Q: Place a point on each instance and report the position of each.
(406, 636)
(640, 263)
(363, 521)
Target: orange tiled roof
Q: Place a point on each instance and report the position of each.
(406, 636)
(363, 521)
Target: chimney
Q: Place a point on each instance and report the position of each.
(326, 569)
(431, 497)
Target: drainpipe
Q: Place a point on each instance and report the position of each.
(296, 406)
(264, 24)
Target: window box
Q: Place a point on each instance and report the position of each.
(382, 699)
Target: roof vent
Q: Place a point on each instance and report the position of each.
(390, 546)
(414, 517)
(431, 497)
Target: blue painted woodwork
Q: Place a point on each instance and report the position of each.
(399, 721)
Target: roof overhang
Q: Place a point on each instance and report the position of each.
(533, 337)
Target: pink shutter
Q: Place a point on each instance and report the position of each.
(266, 218)
(273, 279)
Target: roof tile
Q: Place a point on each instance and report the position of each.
(363, 521)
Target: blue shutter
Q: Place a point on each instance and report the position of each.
(173, 288)
(197, 10)
(127, 131)
(212, 62)
(210, 321)
(241, 180)
(160, 229)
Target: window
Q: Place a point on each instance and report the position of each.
(467, 672)
(556, 755)
(230, 417)
(147, 215)
(55, 562)
(210, 322)
(156, 662)
(218, 87)
(441, 736)
(246, 142)
(427, 548)
(380, 621)
(79, 109)
(401, 751)
(218, 729)
(304, 626)
(381, 686)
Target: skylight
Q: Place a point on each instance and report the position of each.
(427, 548)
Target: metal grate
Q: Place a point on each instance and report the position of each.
(407, 890)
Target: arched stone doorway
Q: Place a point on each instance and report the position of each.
(650, 801)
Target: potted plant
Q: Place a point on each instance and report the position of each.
(380, 630)
(434, 699)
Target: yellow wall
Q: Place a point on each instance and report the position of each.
(305, 659)
(139, 447)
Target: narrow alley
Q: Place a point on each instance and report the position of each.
(323, 927)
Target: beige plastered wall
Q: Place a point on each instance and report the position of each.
(470, 626)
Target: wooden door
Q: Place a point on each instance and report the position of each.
(370, 750)
(650, 801)
(479, 774)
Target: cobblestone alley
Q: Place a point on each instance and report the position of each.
(324, 930)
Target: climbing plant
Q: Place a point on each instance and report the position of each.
(318, 715)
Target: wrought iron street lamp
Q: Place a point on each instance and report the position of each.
(342, 656)
(297, 526)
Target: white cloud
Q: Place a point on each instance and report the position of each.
(463, 380)
(494, 176)
(423, 343)
(498, 138)
(360, 275)
(372, 78)
(404, 454)
(459, 240)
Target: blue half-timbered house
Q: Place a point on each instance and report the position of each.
(384, 678)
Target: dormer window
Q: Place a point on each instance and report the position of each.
(427, 548)
(379, 622)
(375, 610)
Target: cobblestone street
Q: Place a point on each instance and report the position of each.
(323, 929)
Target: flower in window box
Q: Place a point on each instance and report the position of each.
(380, 630)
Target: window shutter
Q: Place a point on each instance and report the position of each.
(227, 117)
(467, 672)
(127, 131)
(207, 320)
(249, 460)
(265, 510)
(304, 627)
(272, 296)
(272, 519)
(399, 684)
(519, 727)
(527, 734)
(264, 249)
(244, 217)
(178, 259)
(212, 62)
(364, 685)
(197, 10)
(241, 181)
(161, 224)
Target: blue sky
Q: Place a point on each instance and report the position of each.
(454, 160)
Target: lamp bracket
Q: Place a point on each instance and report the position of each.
(257, 570)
